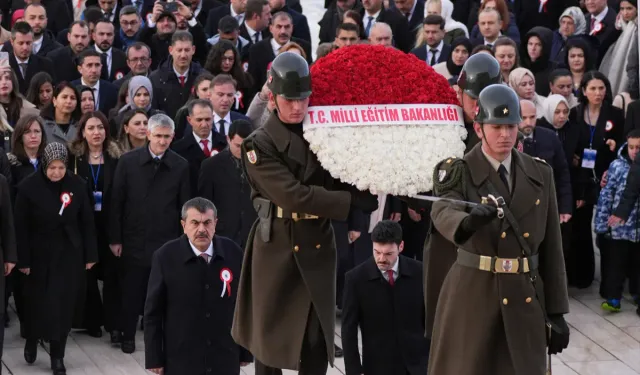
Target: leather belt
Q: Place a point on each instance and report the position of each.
(281, 214)
(497, 264)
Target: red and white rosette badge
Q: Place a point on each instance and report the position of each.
(65, 198)
(227, 277)
(381, 119)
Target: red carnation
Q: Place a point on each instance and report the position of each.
(364, 74)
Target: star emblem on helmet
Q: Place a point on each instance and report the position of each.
(505, 111)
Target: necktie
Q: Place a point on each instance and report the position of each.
(23, 70)
(528, 146)
(433, 56)
(391, 280)
(95, 97)
(108, 15)
(369, 24)
(502, 171)
(239, 18)
(205, 147)
(156, 162)
(593, 23)
(489, 45)
(104, 74)
(205, 256)
(181, 78)
(408, 15)
(256, 37)
(222, 131)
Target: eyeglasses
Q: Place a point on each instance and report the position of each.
(143, 60)
(129, 24)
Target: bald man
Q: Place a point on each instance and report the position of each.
(381, 35)
(544, 144)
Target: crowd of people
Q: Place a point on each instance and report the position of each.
(115, 113)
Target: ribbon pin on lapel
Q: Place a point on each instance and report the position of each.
(597, 28)
(65, 198)
(226, 276)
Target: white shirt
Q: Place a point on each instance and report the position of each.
(96, 91)
(37, 44)
(496, 164)
(365, 19)
(275, 47)
(227, 122)
(153, 156)
(238, 16)
(252, 33)
(486, 42)
(394, 269)
(600, 16)
(438, 52)
(185, 75)
(113, 14)
(198, 140)
(413, 8)
(109, 57)
(197, 252)
(198, 10)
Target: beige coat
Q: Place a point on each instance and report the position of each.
(296, 268)
(493, 324)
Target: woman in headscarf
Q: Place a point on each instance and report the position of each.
(139, 96)
(572, 22)
(523, 82)
(56, 245)
(460, 52)
(534, 55)
(452, 29)
(614, 63)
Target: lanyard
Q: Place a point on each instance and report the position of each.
(592, 129)
(96, 175)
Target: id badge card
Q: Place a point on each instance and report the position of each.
(589, 158)
(97, 198)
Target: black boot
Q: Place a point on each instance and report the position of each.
(57, 365)
(94, 332)
(31, 351)
(338, 351)
(128, 346)
(116, 337)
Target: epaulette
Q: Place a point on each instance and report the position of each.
(448, 173)
(539, 160)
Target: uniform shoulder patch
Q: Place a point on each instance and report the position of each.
(448, 173)
(250, 151)
(539, 159)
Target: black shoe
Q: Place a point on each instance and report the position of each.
(57, 365)
(142, 324)
(31, 351)
(6, 320)
(116, 337)
(128, 346)
(638, 311)
(338, 351)
(94, 332)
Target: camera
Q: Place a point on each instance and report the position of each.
(169, 6)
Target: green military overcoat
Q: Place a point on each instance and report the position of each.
(281, 278)
(493, 324)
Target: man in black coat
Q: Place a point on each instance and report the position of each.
(601, 24)
(114, 61)
(374, 11)
(8, 252)
(222, 181)
(300, 24)
(65, 57)
(22, 61)
(332, 18)
(530, 14)
(257, 17)
(384, 298)
(104, 92)
(413, 10)
(43, 39)
(236, 9)
(435, 50)
(138, 60)
(544, 144)
(149, 188)
(191, 297)
(201, 142)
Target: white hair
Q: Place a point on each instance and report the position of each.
(381, 25)
(161, 120)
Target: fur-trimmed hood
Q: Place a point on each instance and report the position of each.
(80, 148)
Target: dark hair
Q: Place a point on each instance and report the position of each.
(15, 100)
(635, 133)
(127, 10)
(123, 92)
(241, 128)
(557, 73)
(138, 46)
(204, 76)
(387, 232)
(92, 15)
(200, 102)
(23, 125)
(254, 7)
(49, 112)
(228, 24)
(223, 79)
(202, 205)
(128, 115)
(506, 41)
(79, 139)
(33, 4)
(88, 52)
(354, 15)
(590, 76)
(503, 12)
(82, 89)
(181, 36)
(579, 42)
(347, 27)
(20, 27)
(434, 19)
(80, 23)
(281, 14)
(104, 20)
(214, 63)
(33, 92)
(480, 48)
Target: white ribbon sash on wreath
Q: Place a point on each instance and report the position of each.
(388, 149)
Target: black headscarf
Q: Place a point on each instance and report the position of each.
(454, 69)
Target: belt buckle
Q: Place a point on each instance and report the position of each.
(506, 265)
(295, 216)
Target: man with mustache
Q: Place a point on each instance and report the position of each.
(191, 297)
(114, 61)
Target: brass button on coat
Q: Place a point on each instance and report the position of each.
(528, 300)
(503, 235)
(318, 246)
(296, 248)
(526, 235)
(505, 301)
(537, 202)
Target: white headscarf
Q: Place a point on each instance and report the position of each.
(550, 106)
(446, 12)
(578, 19)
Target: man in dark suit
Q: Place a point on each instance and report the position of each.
(22, 61)
(435, 51)
(104, 92)
(43, 39)
(384, 298)
(229, 29)
(222, 181)
(65, 57)
(201, 142)
(149, 187)
(332, 18)
(545, 144)
(300, 24)
(413, 10)
(374, 12)
(114, 61)
(530, 14)
(138, 60)
(222, 95)
(257, 17)
(235, 9)
(191, 298)
(201, 8)
(262, 54)
(601, 24)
